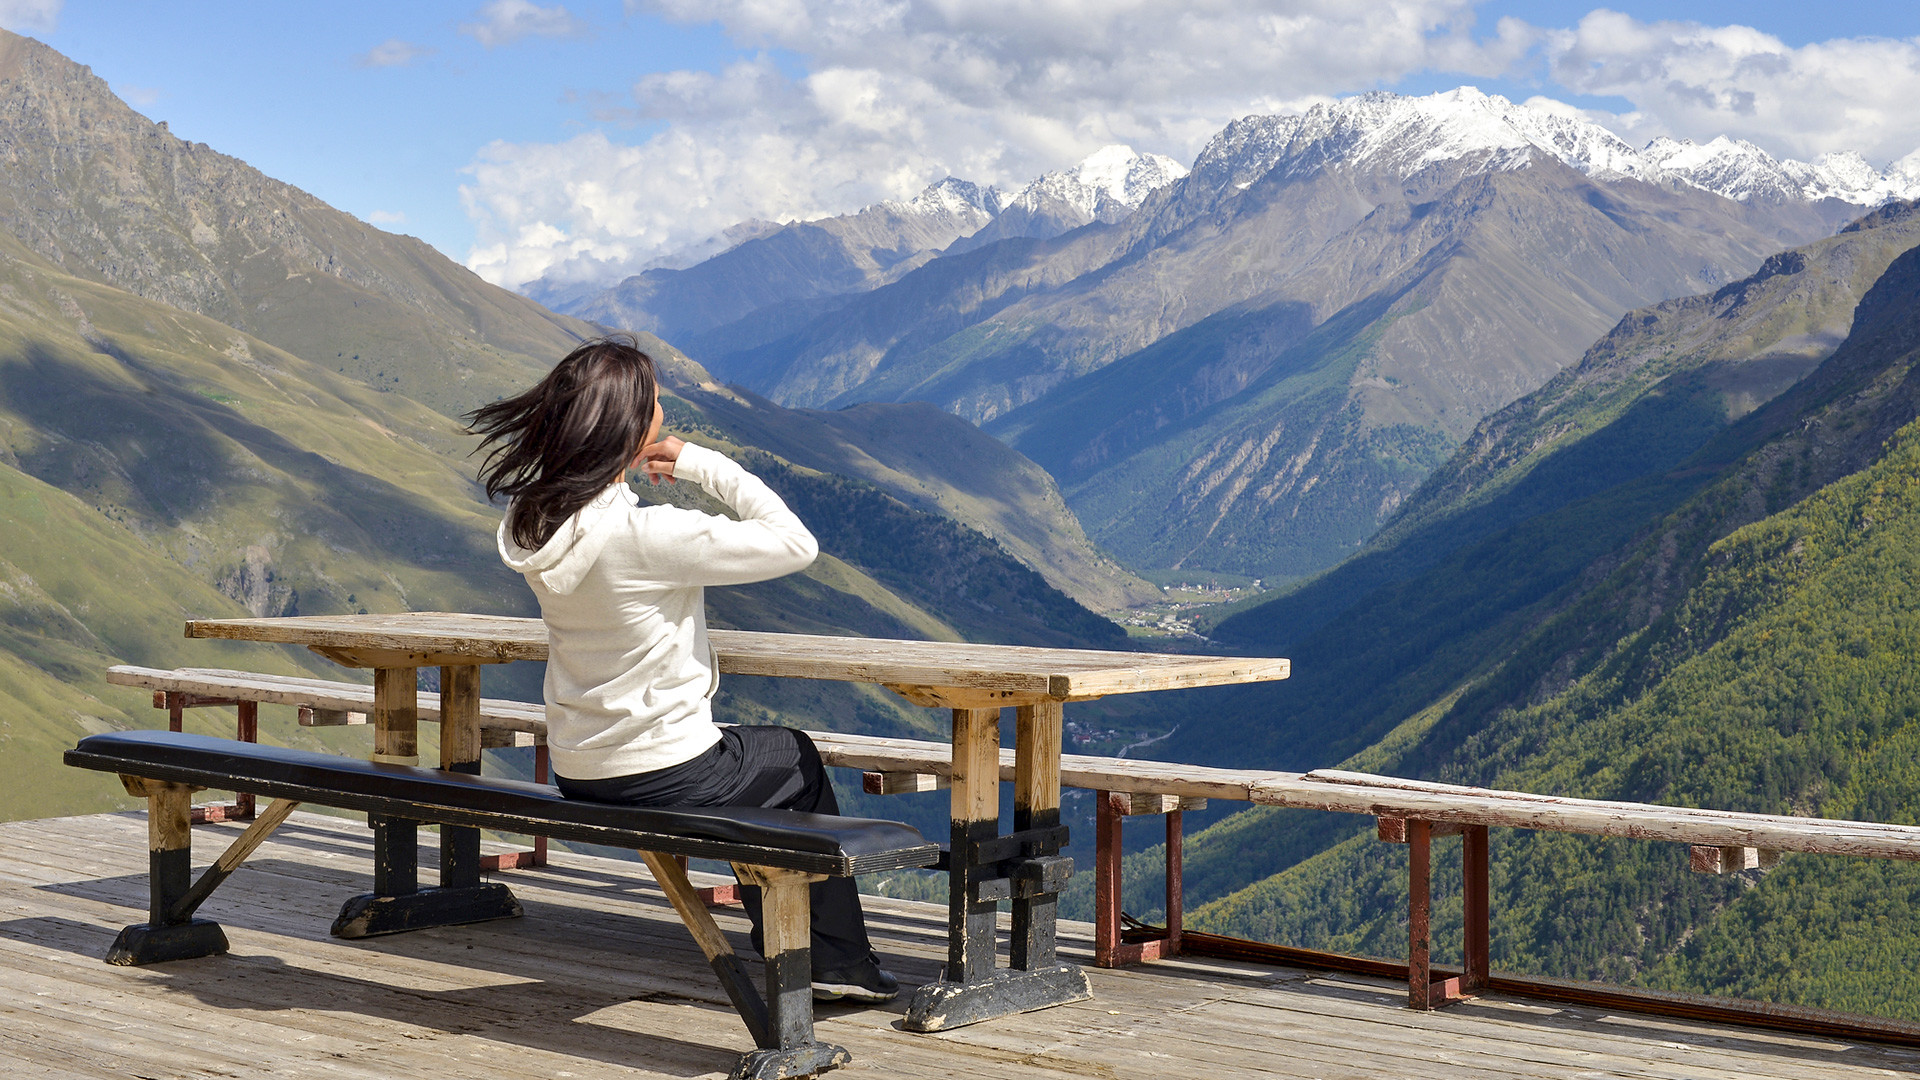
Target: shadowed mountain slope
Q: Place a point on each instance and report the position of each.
(1723, 616)
(1664, 381)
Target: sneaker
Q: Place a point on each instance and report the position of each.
(866, 982)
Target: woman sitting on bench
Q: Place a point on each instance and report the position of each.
(630, 674)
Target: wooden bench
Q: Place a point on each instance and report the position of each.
(1415, 812)
(782, 851)
(326, 703)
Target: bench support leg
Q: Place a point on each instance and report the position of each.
(170, 871)
(972, 990)
(236, 853)
(1036, 805)
(1111, 949)
(672, 877)
(975, 800)
(460, 752)
(1423, 990)
(787, 1046)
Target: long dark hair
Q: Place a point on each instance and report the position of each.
(556, 446)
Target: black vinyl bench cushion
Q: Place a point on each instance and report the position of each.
(789, 839)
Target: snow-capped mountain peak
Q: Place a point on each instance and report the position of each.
(1402, 136)
(953, 197)
(1109, 184)
(1125, 176)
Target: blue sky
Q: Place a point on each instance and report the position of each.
(282, 86)
(603, 132)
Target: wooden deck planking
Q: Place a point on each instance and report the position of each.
(1546, 1024)
(524, 998)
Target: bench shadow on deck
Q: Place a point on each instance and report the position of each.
(601, 980)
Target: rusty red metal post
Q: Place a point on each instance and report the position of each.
(1110, 945)
(527, 860)
(1423, 990)
(1106, 879)
(1174, 892)
(1419, 914)
(246, 729)
(1475, 913)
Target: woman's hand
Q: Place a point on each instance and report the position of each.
(656, 459)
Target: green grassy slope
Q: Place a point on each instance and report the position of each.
(238, 400)
(111, 198)
(160, 465)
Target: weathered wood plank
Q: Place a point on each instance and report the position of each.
(1063, 674)
(1642, 822)
(1395, 783)
(873, 753)
(344, 699)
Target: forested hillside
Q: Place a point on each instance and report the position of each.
(1675, 574)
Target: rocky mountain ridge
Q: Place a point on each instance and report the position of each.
(772, 279)
(1401, 136)
(1252, 370)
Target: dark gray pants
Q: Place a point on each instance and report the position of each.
(754, 766)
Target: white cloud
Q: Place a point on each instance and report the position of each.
(30, 16)
(895, 94)
(504, 22)
(900, 93)
(1697, 81)
(387, 217)
(392, 53)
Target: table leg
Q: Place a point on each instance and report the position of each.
(987, 868)
(1036, 805)
(396, 739)
(975, 795)
(397, 902)
(460, 752)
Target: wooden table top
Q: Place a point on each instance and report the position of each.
(1003, 674)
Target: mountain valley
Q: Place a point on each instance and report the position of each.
(1250, 371)
(1677, 573)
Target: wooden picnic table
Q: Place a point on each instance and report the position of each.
(973, 681)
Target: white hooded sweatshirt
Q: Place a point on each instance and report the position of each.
(629, 669)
